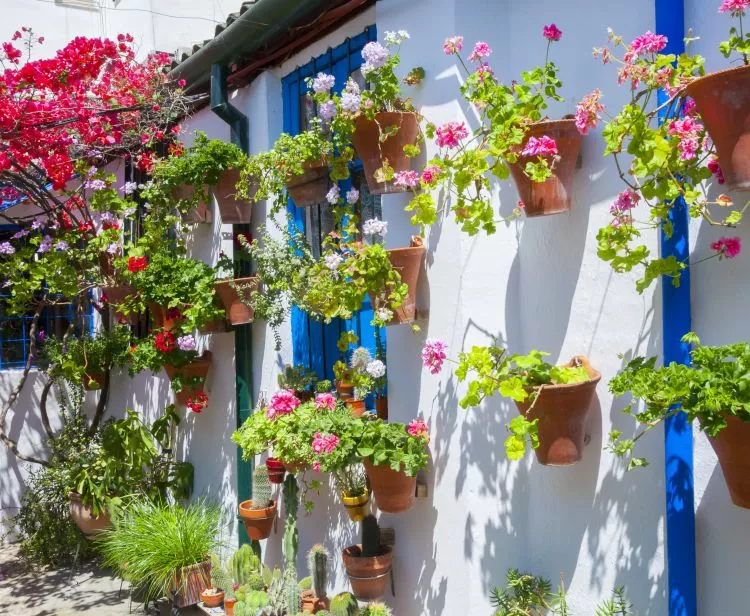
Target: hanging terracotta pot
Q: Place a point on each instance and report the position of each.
(369, 575)
(164, 318)
(356, 506)
(312, 604)
(117, 294)
(374, 153)
(408, 263)
(723, 100)
(356, 407)
(93, 381)
(732, 447)
(381, 407)
(258, 522)
(276, 470)
(195, 369)
(200, 213)
(84, 519)
(237, 311)
(344, 390)
(212, 597)
(234, 211)
(562, 411)
(190, 582)
(393, 490)
(311, 187)
(229, 606)
(552, 196)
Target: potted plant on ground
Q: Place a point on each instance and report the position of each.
(553, 400)
(368, 564)
(234, 293)
(164, 548)
(259, 513)
(315, 600)
(299, 379)
(713, 390)
(355, 381)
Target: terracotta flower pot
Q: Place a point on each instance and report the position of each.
(93, 381)
(117, 294)
(229, 606)
(238, 312)
(732, 447)
(356, 407)
(381, 407)
(356, 506)
(369, 575)
(723, 100)
(258, 522)
(344, 390)
(552, 196)
(160, 318)
(195, 369)
(233, 211)
(83, 517)
(295, 466)
(210, 599)
(311, 187)
(373, 153)
(562, 411)
(190, 582)
(312, 604)
(393, 490)
(408, 263)
(276, 470)
(200, 213)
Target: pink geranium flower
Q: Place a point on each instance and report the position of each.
(434, 354)
(324, 442)
(449, 135)
(552, 32)
(588, 110)
(647, 43)
(326, 401)
(713, 167)
(418, 428)
(481, 50)
(408, 179)
(625, 202)
(282, 402)
(541, 146)
(430, 174)
(735, 7)
(453, 45)
(728, 247)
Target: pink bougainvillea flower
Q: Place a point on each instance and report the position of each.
(735, 7)
(434, 354)
(453, 45)
(552, 32)
(418, 428)
(408, 179)
(647, 43)
(449, 135)
(713, 167)
(324, 442)
(430, 174)
(282, 402)
(326, 401)
(481, 50)
(728, 247)
(588, 110)
(540, 146)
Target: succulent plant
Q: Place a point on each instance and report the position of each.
(323, 387)
(243, 564)
(220, 578)
(317, 562)
(276, 600)
(377, 609)
(291, 533)
(292, 592)
(370, 536)
(261, 487)
(344, 604)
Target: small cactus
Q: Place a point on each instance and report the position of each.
(241, 609)
(344, 604)
(256, 601)
(219, 576)
(291, 533)
(261, 487)
(276, 600)
(292, 593)
(243, 564)
(370, 536)
(377, 609)
(317, 562)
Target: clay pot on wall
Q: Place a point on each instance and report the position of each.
(723, 100)
(311, 187)
(553, 196)
(190, 582)
(344, 390)
(276, 470)
(200, 213)
(295, 466)
(408, 263)
(160, 317)
(369, 575)
(237, 311)
(93, 381)
(212, 597)
(233, 211)
(393, 490)
(195, 369)
(356, 506)
(562, 411)
(312, 604)
(258, 522)
(84, 519)
(373, 152)
(732, 447)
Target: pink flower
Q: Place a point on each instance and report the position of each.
(688, 131)
(552, 32)
(449, 135)
(735, 7)
(282, 402)
(181, 83)
(408, 179)
(316, 466)
(728, 247)
(326, 401)
(481, 50)
(453, 45)
(542, 146)
(625, 202)
(324, 442)
(434, 354)
(690, 108)
(713, 167)
(482, 72)
(418, 428)
(587, 111)
(430, 174)
(645, 44)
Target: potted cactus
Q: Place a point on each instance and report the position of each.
(375, 608)
(315, 600)
(344, 604)
(258, 513)
(368, 564)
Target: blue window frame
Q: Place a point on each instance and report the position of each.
(314, 343)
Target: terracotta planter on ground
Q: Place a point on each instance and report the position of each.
(258, 522)
(198, 369)
(344, 390)
(373, 153)
(276, 470)
(214, 599)
(229, 606)
(732, 447)
(83, 517)
(190, 582)
(311, 187)
(356, 407)
(200, 213)
(238, 312)
(233, 211)
(381, 407)
(723, 100)
(552, 196)
(369, 575)
(393, 490)
(562, 411)
(356, 506)
(312, 604)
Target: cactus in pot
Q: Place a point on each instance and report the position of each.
(259, 513)
(291, 533)
(370, 536)
(344, 604)
(317, 561)
(292, 593)
(377, 609)
(261, 487)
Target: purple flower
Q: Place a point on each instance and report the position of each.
(323, 83)
(36, 225)
(41, 336)
(96, 184)
(113, 248)
(186, 343)
(61, 246)
(6, 248)
(19, 234)
(129, 188)
(45, 245)
(327, 111)
(375, 56)
(333, 195)
(351, 102)
(352, 196)
(333, 261)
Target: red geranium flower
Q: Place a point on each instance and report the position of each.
(198, 403)
(137, 264)
(173, 314)
(165, 342)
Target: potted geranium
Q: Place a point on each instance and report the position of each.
(356, 381)
(299, 379)
(713, 389)
(368, 563)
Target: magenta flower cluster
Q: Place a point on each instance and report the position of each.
(434, 354)
(324, 443)
(540, 146)
(728, 247)
(282, 402)
(450, 135)
(325, 402)
(418, 428)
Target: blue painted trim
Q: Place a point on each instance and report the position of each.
(676, 322)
